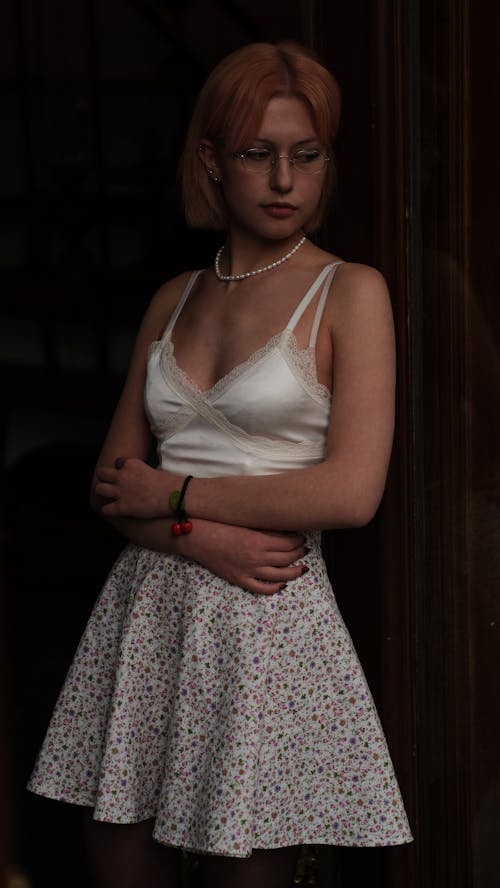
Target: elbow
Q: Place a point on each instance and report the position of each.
(362, 516)
(361, 509)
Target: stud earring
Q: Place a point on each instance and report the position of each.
(214, 178)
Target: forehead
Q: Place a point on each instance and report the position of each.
(286, 118)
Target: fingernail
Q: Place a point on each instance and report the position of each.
(305, 570)
(283, 586)
(119, 462)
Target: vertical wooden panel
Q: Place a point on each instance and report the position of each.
(444, 478)
(483, 400)
(443, 624)
(395, 220)
(376, 222)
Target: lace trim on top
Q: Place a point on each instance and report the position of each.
(301, 361)
(172, 423)
(201, 403)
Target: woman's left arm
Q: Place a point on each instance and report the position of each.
(343, 490)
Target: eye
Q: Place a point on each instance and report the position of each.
(308, 156)
(257, 155)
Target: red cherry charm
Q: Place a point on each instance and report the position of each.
(176, 529)
(186, 525)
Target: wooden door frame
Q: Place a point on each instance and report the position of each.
(420, 57)
(396, 212)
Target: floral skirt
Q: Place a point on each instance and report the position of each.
(233, 721)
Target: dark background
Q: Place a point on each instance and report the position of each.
(95, 101)
(94, 98)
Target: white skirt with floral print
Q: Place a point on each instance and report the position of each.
(234, 721)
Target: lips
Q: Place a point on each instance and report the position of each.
(279, 210)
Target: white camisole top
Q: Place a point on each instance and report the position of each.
(267, 415)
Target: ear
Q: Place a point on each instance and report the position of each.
(208, 156)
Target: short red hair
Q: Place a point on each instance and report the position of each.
(229, 110)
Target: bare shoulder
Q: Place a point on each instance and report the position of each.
(352, 279)
(357, 278)
(358, 291)
(166, 297)
(163, 303)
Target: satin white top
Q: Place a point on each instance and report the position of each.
(268, 415)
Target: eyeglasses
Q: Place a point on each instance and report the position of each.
(263, 160)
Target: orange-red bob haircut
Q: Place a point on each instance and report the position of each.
(229, 110)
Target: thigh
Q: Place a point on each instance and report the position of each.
(274, 868)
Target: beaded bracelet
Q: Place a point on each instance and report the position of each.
(182, 524)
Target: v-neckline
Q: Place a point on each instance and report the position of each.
(224, 381)
(302, 360)
(258, 354)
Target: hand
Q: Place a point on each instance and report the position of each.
(258, 561)
(133, 489)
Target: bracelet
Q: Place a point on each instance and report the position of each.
(182, 524)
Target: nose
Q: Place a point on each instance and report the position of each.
(282, 173)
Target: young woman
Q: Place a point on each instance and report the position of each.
(216, 703)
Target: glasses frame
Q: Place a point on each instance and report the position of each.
(241, 155)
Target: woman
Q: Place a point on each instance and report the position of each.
(216, 703)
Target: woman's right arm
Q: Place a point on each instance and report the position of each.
(255, 560)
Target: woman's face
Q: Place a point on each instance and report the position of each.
(276, 204)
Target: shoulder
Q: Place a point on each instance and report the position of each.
(358, 289)
(358, 310)
(356, 278)
(351, 279)
(170, 292)
(164, 301)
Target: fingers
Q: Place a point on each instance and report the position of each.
(285, 559)
(275, 548)
(273, 580)
(282, 558)
(108, 478)
(260, 587)
(107, 491)
(107, 474)
(282, 574)
(107, 487)
(284, 542)
(106, 484)
(285, 549)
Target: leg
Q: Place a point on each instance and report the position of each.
(126, 856)
(266, 869)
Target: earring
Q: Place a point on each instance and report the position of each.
(214, 178)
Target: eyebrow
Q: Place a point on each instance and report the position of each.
(295, 144)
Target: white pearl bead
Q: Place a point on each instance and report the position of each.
(247, 274)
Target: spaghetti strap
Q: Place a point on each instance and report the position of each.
(326, 274)
(318, 314)
(304, 302)
(182, 301)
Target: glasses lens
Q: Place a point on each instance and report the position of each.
(257, 160)
(262, 160)
(309, 160)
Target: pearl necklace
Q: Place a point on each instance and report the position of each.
(247, 274)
